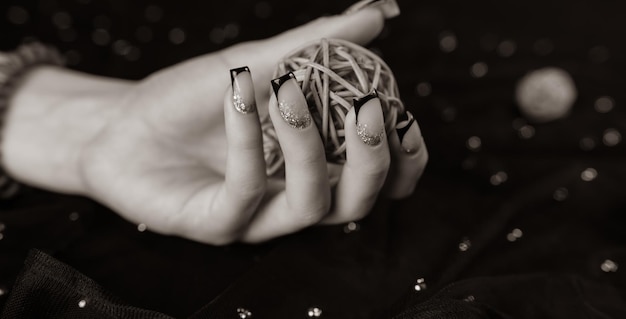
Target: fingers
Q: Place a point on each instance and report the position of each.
(307, 189)
(245, 181)
(360, 26)
(409, 158)
(367, 161)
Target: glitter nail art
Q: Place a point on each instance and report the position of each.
(243, 103)
(369, 135)
(295, 115)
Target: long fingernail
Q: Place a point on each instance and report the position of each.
(389, 8)
(411, 142)
(243, 90)
(291, 102)
(370, 125)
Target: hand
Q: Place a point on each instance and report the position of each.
(171, 151)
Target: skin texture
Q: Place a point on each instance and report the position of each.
(171, 151)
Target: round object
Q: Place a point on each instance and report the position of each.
(331, 74)
(546, 94)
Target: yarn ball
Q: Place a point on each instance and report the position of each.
(546, 94)
(331, 73)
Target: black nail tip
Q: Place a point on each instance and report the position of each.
(403, 130)
(278, 82)
(359, 102)
(234, 72)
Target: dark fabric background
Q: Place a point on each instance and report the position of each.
(553, 270)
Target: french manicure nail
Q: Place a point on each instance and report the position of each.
(389, 8)
(243, 90)
(291, 102)
(410, 143)
(370, 125)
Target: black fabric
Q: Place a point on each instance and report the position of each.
(552, 271)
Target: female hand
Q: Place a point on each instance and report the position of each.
(172, 152)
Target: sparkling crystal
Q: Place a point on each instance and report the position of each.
(447, 41)
(465, 244)
(498, 178)
(526, 132)
(609, 266)
(420, 285)
(314, 312)
(479, 69)
(82, 303)
(473, 143)
(589, 174)
(351, 227)
(74, 216)
(244, 313)
(604, 104)
(611, 137)
(560, 194)
(142, 227)
(423, 89)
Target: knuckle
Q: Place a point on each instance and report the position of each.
(313, 214)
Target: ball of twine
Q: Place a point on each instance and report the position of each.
(331, 73)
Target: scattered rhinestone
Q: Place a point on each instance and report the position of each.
(447, 41)
(469, 298)
(465, 244)
(244, 313)
(142, 227)
(506, 48)
(560, 194)
(498, 178)
(611, 137)
(604, 104)
(420, 285)
(351, 227)
(82, 303)
(526, 132)
(423, 89)
(474, 143)
(514, 235)
(587, 144)
(609, 266)
(74, 216)
(479, 69)
(314, 312)
(589, 174)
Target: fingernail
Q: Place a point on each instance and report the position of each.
(243, 90)
(370, 124)
(410, 143)
(291, 102)
(389, 8)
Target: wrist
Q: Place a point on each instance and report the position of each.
(53, 115)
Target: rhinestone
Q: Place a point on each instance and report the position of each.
(1, 236)
(465, 244)
(469, 298)
(62, 20)
(448, 114)
(420, 285)
(474, 143)
(447, 41)
(587, 144)
(2, 292)
(526, 132)
(510, 237)
(479, 69)
(604, 104)
(177, 36)
(498, 178)
(611, 137)
(314, 312)
(560, 194)
(424, 89)
(74, 216)
(589, 174)
(82, 303)
(17, 15)
(517, 233)
(142, 227)
(351, 227)
(506, 48)
(244, 313)
(609, 266)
